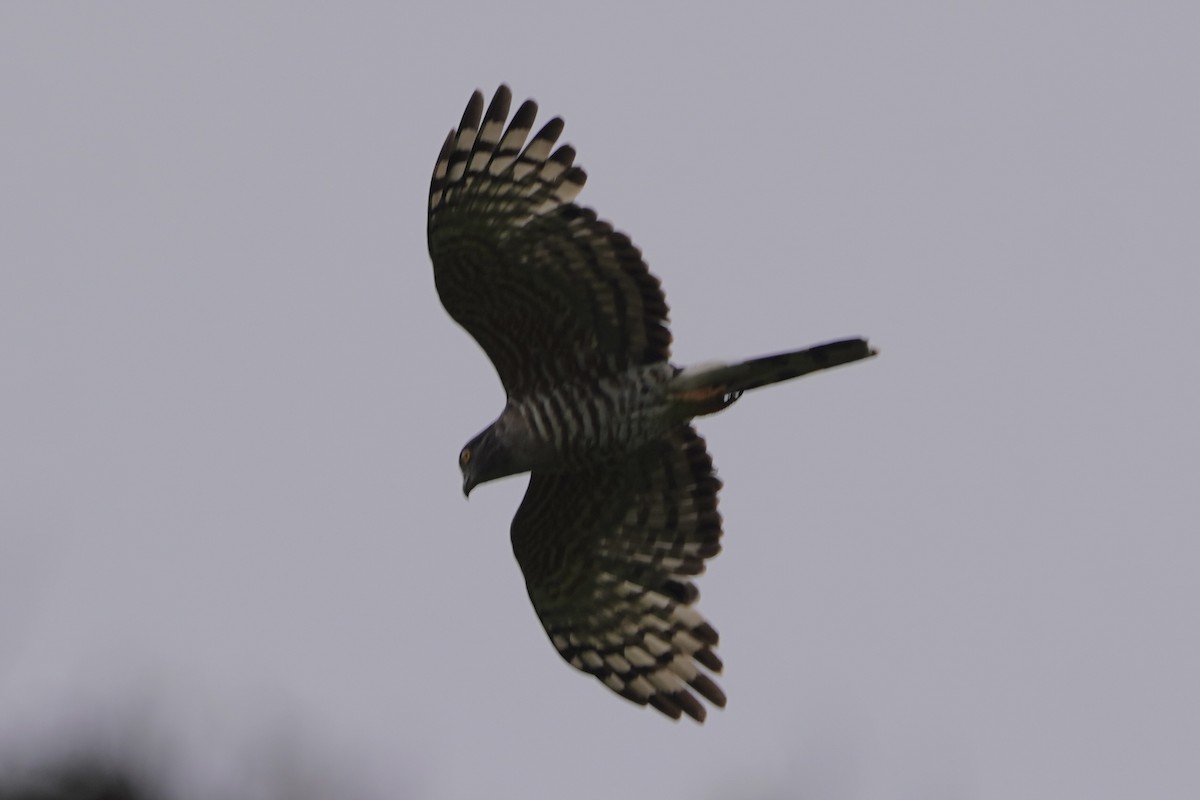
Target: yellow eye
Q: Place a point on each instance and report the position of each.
(465, 456)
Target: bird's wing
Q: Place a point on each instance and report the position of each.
(608, 555)
(549, 291)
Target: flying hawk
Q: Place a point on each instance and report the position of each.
(621, 509)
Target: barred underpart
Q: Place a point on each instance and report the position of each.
(578, 424)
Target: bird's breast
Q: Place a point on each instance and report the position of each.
(573, 424)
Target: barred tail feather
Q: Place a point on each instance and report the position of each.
(719, 380)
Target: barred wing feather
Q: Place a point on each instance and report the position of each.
(608, 555)
(548, 290)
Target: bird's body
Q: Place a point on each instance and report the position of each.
(584, 422)
(621, 509)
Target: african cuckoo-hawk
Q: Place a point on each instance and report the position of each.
(621, 509)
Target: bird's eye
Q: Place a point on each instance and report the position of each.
(465, 456)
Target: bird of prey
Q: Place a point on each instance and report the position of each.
(621, 509)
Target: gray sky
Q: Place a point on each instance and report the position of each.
(232, 403)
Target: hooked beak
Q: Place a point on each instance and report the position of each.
(468, 485)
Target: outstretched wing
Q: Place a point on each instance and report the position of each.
(549, 291)
(608, 556)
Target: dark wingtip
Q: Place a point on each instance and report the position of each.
(690, 705)
(666, 704)
(711, 692)
(525, 115)
(709, 659)
(498, 108)
(551, 130)
(473, 112)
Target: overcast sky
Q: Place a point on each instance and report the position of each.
(232, 521)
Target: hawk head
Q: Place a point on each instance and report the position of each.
(485, 458)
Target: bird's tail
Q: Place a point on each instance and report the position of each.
(710, 387)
